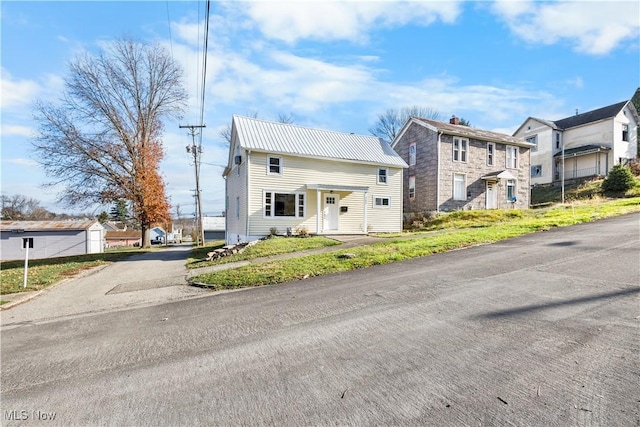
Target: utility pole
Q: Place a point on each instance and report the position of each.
(196, 151)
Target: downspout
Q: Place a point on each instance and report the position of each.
(247, 216)
(317, 211)
(366, 225)
(438, 171)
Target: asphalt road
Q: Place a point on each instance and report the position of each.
(541, 330)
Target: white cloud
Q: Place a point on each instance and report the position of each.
(16, 130)
(594, 28)
(22, 162)
(345, 20)
(16, 93)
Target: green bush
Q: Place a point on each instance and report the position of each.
(620, 179)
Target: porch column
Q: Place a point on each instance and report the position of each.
(318, 204)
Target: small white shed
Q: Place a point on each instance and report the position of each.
(51, 239)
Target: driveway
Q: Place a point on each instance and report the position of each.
(540, 330)
(149, 278)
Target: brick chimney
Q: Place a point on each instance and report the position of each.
(454, 120)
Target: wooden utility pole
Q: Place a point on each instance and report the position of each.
(196, 151)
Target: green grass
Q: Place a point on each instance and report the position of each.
(263, 248)
(45, 272)
(590, 189)
(454, 231)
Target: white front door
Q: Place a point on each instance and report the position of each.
(492, 194)
(331, 212)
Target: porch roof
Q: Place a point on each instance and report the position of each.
(336, 187)
(494, 176)
(583, 151)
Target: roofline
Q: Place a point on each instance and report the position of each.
(333, 159)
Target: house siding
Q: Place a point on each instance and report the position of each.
(543, 156)
(298, 172)
(236, 187)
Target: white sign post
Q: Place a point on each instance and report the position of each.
(27, 242)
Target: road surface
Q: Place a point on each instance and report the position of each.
(541, 330)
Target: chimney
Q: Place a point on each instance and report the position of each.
(454, 120)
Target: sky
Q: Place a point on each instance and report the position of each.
(332, 65)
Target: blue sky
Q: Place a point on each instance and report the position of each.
(331, 65)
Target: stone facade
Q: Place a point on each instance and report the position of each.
(435, 169)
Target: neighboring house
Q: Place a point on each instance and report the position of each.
(592, 143)
(157, 235)
(50, 238)
(112, 226)
(282, 177)
(455, 167)
(214, 228)
(116, 239)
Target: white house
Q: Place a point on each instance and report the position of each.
(587, 144)
(50, 239)
(282, 177)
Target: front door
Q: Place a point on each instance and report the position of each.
(492, 194)
(331, 212)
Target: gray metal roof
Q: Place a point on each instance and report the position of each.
(283, 138)
(46, 225)
(469, 132)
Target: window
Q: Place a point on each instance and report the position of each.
(381, 202)
(512, 157)
(625, 132)
(274, 165)
(283, 204)
(382, 176)
(237, 207)
(460, 150)
(412, 154)
(491, 149)
(536, 171)
(511, 189)
(557, 140)
(412, 187)
(533, 140)
(459, 187)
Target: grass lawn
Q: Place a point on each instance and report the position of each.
(455, 230)
(45, 272)
(269, 247)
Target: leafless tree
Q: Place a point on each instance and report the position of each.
(391, 121)
(22, 208)
(102, 142)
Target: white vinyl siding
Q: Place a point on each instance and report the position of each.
(301, 171)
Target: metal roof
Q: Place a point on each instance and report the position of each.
(583, 150)
(469, 132)
(46, 225)
(283, 138)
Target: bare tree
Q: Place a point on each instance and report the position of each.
(22, 208)
(103, 142)
(391, 121)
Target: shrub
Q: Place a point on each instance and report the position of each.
(620, 179)
(302, 231)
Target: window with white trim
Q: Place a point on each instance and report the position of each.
(460, 149)
(412, 187)
(274, 165)
(536, 171)
(533, 140)
(557, 140)
(381, 202)
(412, 154)
(491, 153)
(459, 186)
(625, 132)
(238, 207)
(512, 157)
(382, 175)
(511, 189)
(282, 204)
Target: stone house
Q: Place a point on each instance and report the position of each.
(453, 167)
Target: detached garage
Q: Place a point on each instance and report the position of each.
(51, 239)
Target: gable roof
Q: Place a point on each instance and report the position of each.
(465, 132)
(283, 138)
(46, 225)
(591, 116)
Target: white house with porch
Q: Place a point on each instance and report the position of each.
(583, 145)
(285, 178)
